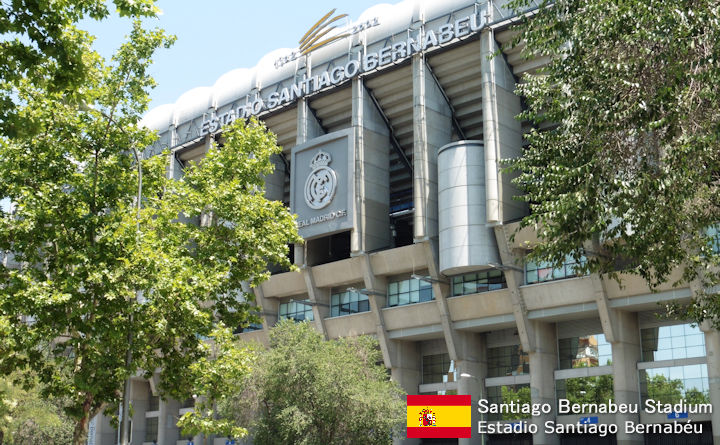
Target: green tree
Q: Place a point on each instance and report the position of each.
(26, 418)
(42, 44)
(106, 286)
(623, 163)
(664, 390)
(307, 390)
(590, 389)
(222, 373)
(517, 394)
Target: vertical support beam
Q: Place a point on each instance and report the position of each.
(307, 129)
(432, 128)
(712, 348)
(168, 431)
(319, 298)
(607, 315)
(466, 349)
(514, 278)
(502, 133)
(406, 371)
(472, 370)
(140, 397)
(377, 298)
(162, 419)
(626, 355)
(543, 361)
(372, 174)
(441, 289)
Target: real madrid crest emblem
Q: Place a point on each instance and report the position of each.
(321, 183)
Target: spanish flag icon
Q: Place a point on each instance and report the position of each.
(439, 416)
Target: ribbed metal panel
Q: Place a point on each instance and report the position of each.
(466, 242)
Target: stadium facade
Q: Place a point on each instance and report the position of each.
(392, 134)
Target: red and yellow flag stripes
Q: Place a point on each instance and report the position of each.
(439, 416)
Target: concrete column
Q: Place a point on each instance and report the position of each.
(140, 397)
(406, 371)
(432, 128)
(162, 420)
(372, 174)
(625, 356)
(168, 431)
(502, 133)
(471, 369)
(712, 347)
(307, 128)
(377, 285)
(320, 300)
(543, 362)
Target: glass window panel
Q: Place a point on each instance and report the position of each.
(477, 282)
(393, 288)
(458, 289)
(404, 286)
(532, 276)
(695, 340)
(672, 342)
(403, 298)
(393, 300)
(414, 284)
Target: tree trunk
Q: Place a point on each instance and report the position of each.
(81, 427)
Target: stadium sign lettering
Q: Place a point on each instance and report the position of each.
(364, 63)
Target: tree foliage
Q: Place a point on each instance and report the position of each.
(307, 390)
(42, 43)
(103, 289)
(224, 372)
(623, 163)
(27, 418)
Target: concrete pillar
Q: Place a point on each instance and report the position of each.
(406, 371)
(625, 356)
(320, 300)
(140, 397)
(168, 431)
(712, 348)
(307, 128)
(502, 133)
(543, 362)
(372, 174)
(471, 369)
(432, 128)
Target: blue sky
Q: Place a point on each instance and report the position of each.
(214, 37)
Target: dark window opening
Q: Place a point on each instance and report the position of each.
(401, 230)
(327, 249)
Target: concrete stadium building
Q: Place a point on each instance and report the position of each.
(392, 135)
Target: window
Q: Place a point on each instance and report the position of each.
(348, 302)
(674, 383)
(507, 360)
(151, 429)
(538, 272)
(506, 394)
(586, 389)
(409, 291)
(438, 368)
(473, 283)
(585, 351)
(297, 310)
(154, 403)
(672, 343)
(249, 328)
(714, 234)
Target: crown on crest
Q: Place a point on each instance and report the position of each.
(321, 159)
